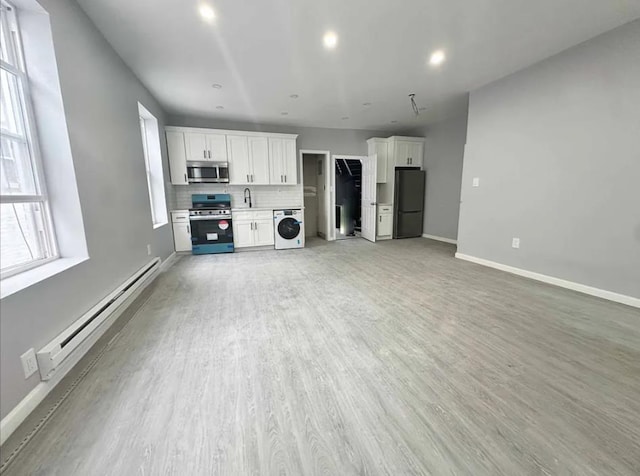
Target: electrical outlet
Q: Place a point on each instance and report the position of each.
(29, 363)
(148, 250)
(476, 181)
(515, 243)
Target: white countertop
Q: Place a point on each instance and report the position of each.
(252, 209)
(262, 209)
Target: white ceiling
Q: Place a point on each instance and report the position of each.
(262, 51)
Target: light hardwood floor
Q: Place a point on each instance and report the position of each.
(352, 358)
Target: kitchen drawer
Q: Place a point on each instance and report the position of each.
(253, 215)
(385, 209)
(180, 216)
(263, 215)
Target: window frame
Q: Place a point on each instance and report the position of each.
(30, 140)
(147, 133)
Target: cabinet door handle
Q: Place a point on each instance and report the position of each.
(204, 154)
(285, 179)
(281, 179)
(247, 177)
(380, 218)
(188, 229)
(252, 180)
(209, 154)
(185, 178)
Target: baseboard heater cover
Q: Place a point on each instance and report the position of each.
(54, 353)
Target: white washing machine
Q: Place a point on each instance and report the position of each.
(288, 228)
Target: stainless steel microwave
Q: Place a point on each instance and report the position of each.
(207, 171)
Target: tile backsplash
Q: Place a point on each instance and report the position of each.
(266, 196)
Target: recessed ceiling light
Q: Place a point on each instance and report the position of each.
(219, 107)
(284, 113)
(437, 58)
(216, 86)
(366, 104)
(330, 40)
(393, 122)
(345, 118)
(294, 96)
(206, 12)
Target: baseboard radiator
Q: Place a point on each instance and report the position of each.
(51, 356)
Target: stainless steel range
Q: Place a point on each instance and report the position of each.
(211, 225)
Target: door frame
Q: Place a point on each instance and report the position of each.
(332, 208)
(328, 186)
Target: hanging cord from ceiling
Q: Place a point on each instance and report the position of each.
(414, 106)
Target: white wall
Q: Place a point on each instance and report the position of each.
(100, 96)
(557, 150)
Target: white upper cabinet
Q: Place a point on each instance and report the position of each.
(196, 146)
(290, 162)
(380, 148)
(239, 163)
(255, 158)
(259, 157)
(283, 161)
(177, 158)
(217, 147)
(407, 151)
(206, 146)
(416, 153)
(248, 160)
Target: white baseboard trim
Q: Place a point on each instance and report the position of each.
(28, 404)
(582, 288)
(440, 238)
(168, 262)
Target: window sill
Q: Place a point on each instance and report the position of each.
(158, 225)
(14, 284)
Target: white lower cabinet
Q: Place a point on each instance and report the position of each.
(242, 233)
(253, 228)
(385, 222)
(181, 230)
(263, 232)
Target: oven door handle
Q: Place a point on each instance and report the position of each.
(209, 217)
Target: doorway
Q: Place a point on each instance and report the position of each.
(348, 196)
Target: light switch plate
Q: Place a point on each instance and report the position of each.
(476, 181)
(29, 363)
(515, 243)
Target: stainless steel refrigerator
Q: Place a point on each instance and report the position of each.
(408, 203)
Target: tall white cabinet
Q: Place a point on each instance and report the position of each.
(380, 148)
(282, 161)
(255, 158)
(176, 148)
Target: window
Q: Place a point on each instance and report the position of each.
(153, 165)
(26, 231)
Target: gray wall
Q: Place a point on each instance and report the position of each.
(443, 156)
(557, 150)
(100, 97)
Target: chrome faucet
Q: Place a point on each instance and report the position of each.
(245, 196)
